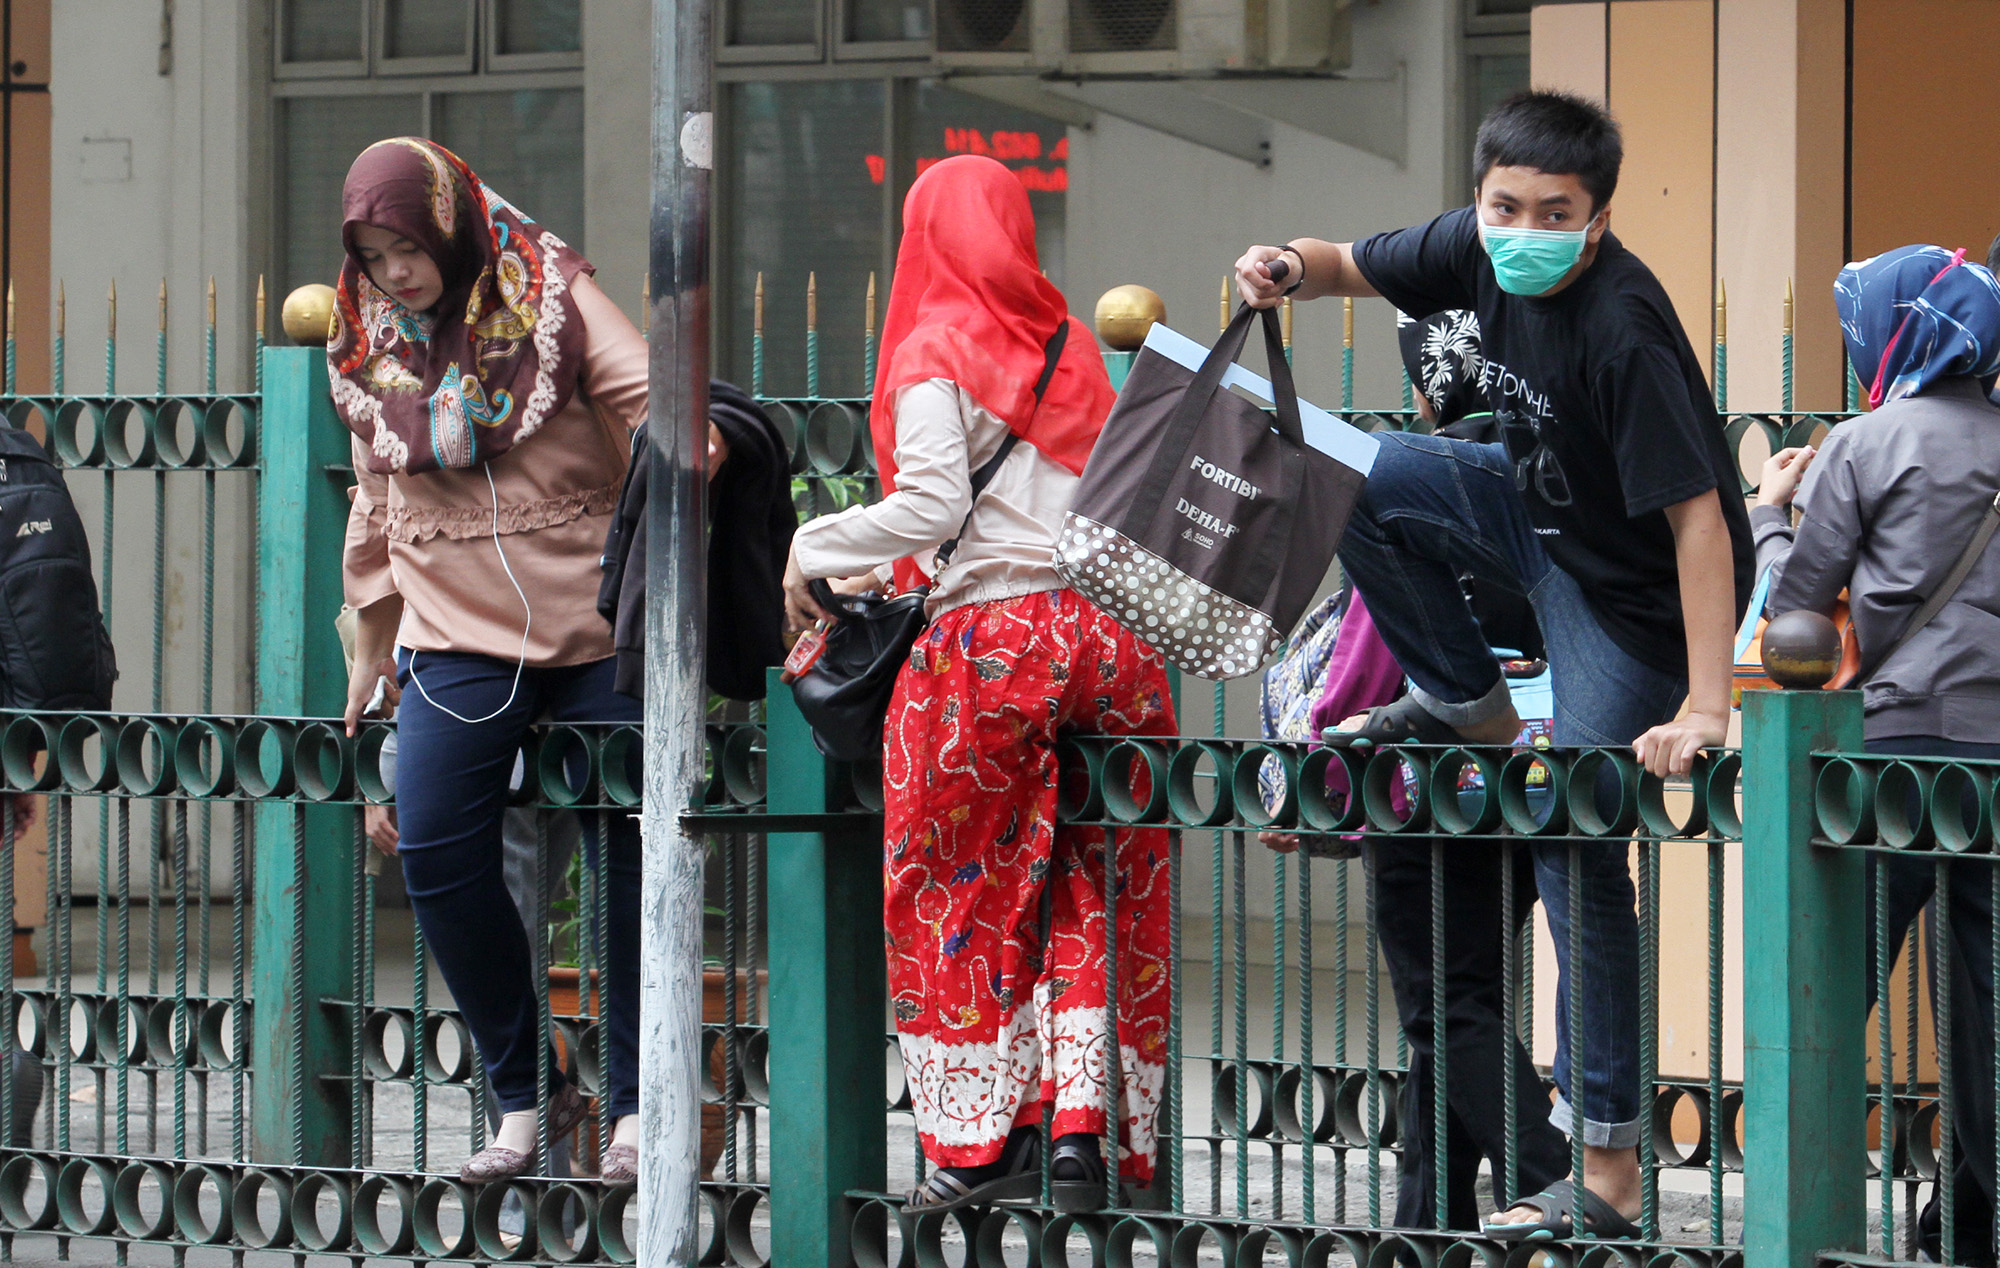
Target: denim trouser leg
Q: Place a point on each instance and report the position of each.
(1432, 508)
(1603, 697)
(451, 792)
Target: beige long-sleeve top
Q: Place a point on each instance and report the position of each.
(431, 537)
(942, 436)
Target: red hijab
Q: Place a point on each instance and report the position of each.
(500, 353)
(969, 303)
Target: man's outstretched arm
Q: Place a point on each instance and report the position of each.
(1707, 569)
(1329, 270)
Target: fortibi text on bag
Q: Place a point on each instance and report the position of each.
(1204, 523)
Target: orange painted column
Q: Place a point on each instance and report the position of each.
(1661, 78)
(1733, 114)
(1780, 102)
(1733, 117)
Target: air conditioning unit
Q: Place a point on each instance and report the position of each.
(1143, 37)
(1123, 26)
(999, 34)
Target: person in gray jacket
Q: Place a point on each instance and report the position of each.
(1886, 508)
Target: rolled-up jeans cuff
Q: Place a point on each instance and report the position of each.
(1493, 704)
(1598, 1135)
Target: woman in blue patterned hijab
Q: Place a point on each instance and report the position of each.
(1915, 315)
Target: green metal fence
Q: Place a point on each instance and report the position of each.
(243, 1046)
(1282, 1129)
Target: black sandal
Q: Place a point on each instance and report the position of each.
(1404, 722)
(1557, 1203)
(1076, 1176)
(1016, 1175)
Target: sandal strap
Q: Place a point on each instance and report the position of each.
(1090, 1157)
(1558, 1202)
(1554, 1202)
(940, 1186)
(1599, 1216)
(1022, 1150)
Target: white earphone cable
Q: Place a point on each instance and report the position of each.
(522, 665)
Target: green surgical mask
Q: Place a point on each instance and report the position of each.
(1530, 261)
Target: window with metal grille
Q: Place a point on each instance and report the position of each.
(809, 193)
(1121, 26)
(361, 39)
(751, 23)
(983, 26)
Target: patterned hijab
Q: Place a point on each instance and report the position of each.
(1441, 354)
(1915, 315)
(500, 353)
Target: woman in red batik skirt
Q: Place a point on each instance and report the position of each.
(995, 914)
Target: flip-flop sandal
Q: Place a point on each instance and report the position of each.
(1403, 722)
(947, 1189)
(1557, 1203)
(1072, 1195)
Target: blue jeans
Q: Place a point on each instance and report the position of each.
(451, 793)
(1433, 508)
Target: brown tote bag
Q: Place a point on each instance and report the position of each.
(1203, 523)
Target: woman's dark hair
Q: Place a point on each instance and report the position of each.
(1993, 255)
(1554, 132)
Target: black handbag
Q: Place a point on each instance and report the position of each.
(844, 697)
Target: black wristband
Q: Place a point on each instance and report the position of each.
(1302, 267)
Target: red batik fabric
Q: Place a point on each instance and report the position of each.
(991, 1023)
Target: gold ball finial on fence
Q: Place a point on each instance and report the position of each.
(308, 313)
(1801, 650)
(1125, 313)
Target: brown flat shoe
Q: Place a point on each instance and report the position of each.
(620, 1165)
(496, 1162)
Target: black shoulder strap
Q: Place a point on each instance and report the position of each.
(1051, 354)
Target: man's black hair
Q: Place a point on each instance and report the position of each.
(1554, 132)
(1993, 255)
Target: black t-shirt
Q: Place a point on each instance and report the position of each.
(1603, 407)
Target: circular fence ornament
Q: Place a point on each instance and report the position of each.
(1801, 650)
(1126, 313)
(308, 314)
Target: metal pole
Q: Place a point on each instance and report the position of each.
(676, 689)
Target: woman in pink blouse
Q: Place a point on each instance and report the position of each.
(491, 388)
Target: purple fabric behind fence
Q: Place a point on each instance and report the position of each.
(1361, 675)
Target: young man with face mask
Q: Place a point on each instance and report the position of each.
(1610, 502)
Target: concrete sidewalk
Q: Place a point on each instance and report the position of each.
(39, 1250)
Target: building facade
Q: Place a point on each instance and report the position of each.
(196, 140)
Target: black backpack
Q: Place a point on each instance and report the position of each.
(54, 650)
